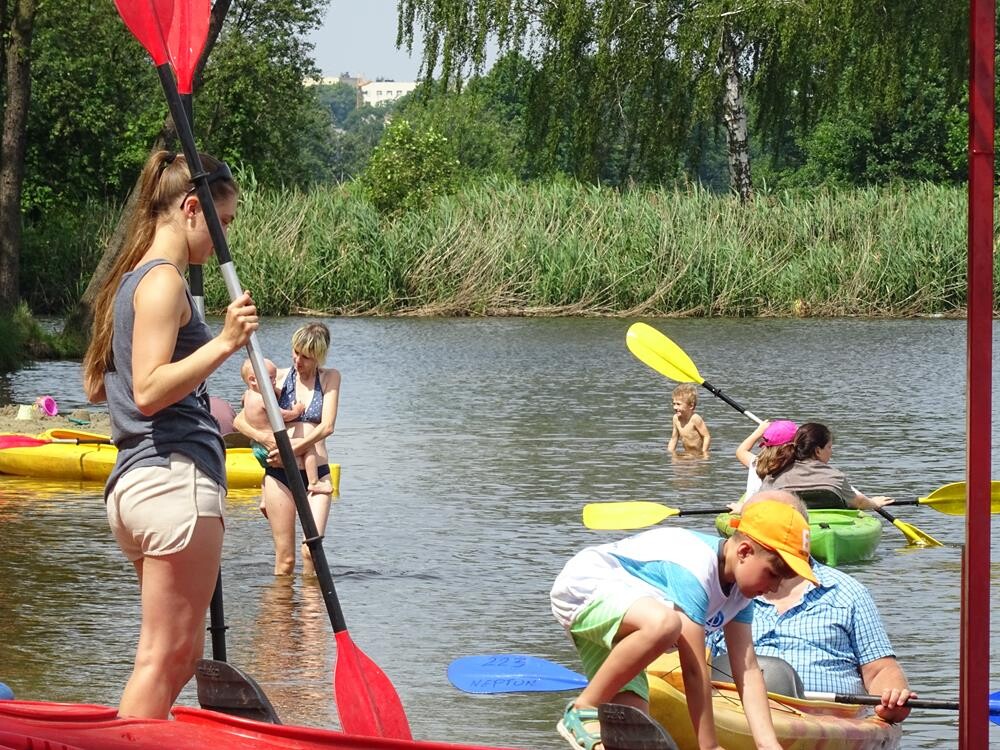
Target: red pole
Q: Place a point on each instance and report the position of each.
(973, 733)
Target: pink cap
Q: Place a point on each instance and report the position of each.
(778, 433)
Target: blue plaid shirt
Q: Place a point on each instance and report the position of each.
(827, 636)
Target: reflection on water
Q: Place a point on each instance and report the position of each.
(469, 448)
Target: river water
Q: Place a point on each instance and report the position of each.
(469, 448)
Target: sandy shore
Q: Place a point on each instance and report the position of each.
(97, 421)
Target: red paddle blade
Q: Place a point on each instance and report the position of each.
(20, 441)
(145, 19)
(367, 702)
(186, 39)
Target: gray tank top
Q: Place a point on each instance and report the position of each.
(186, 426)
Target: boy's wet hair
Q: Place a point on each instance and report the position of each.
(686, 392)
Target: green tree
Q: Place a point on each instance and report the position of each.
(623, 84)
(409, 167)
(339, 99)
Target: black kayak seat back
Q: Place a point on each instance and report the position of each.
(821, 499)
(779, 676)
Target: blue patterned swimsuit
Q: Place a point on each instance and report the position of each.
(312, 414)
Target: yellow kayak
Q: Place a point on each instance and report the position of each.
(799, 724)
(89, 457)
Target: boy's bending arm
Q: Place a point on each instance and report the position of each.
(886, 678)
(702, 429)
(697, 688)
(674, 434)
(750, 682)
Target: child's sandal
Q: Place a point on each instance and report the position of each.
(572, 726)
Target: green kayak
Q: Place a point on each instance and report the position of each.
(838, 536)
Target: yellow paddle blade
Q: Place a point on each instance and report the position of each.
(952, 498)
(915, 535)
(660, 353)
(630, 515)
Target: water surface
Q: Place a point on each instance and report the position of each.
(469, 448)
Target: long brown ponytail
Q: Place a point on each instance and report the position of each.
(164, 181)
(808, 439)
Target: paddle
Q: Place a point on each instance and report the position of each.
(367, 702)
(636, 514)
(911, 532)
(663, 355)
(951, 499)
(490, 674)
(27, 441)
(186, 37)
(511, 673)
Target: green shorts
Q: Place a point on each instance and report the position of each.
(593, 632)
(260, 453)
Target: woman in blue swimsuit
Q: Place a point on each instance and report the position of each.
(306, 381)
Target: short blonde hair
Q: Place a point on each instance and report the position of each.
(687, 392)
(313, 340)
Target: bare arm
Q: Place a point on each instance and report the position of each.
(862, 502)
(264, 437)
(750, 682)
(706, 437)
(161, 308)
(697, 687)
(744, 451)
(674, 434)
(886, 678)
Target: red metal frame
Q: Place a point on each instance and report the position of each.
(973, 733)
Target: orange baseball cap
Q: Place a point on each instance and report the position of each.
(781, 528)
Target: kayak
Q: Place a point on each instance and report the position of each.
(799, 724)
(89, 457)
(80, 726)
(837, 536)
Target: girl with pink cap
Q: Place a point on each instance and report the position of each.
(768, 435)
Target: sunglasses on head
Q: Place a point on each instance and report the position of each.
(221, 172)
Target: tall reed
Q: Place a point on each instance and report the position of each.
(556, 248)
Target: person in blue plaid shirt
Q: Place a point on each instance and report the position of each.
(833, 636)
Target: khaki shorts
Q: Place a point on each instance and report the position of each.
(152, 510)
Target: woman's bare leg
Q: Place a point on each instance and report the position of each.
(320, 506)
(176, 591)
(281, 516)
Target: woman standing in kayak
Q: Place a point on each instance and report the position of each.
(803, 467)
(149, 356)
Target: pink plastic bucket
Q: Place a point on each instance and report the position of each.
(47, 406)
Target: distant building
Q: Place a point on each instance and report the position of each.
(376, 93)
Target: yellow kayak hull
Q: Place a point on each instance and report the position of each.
(92, 462)
(799, 724)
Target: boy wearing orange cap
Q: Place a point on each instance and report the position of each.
(625, 603)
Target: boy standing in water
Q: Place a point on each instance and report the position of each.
(625, 603)
(688, 427)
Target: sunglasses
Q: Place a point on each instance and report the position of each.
(221, 172)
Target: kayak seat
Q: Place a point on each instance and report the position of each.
(821, 499)
(779, 676)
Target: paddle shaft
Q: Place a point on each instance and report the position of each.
(741, 409)
(874, 700)
(312, 537)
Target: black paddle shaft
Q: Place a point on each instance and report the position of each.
(200, 178)
(719, 394)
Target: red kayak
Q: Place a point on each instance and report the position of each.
(31, 725)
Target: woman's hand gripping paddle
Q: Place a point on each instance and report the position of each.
(367, 702)
(663, 355)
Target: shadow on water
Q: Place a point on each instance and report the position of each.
(469, 448)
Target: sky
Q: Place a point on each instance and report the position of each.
(359, 37)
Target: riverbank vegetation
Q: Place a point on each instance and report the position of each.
(768, 163)
(503, 247)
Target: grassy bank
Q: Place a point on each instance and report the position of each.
(565, 248)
